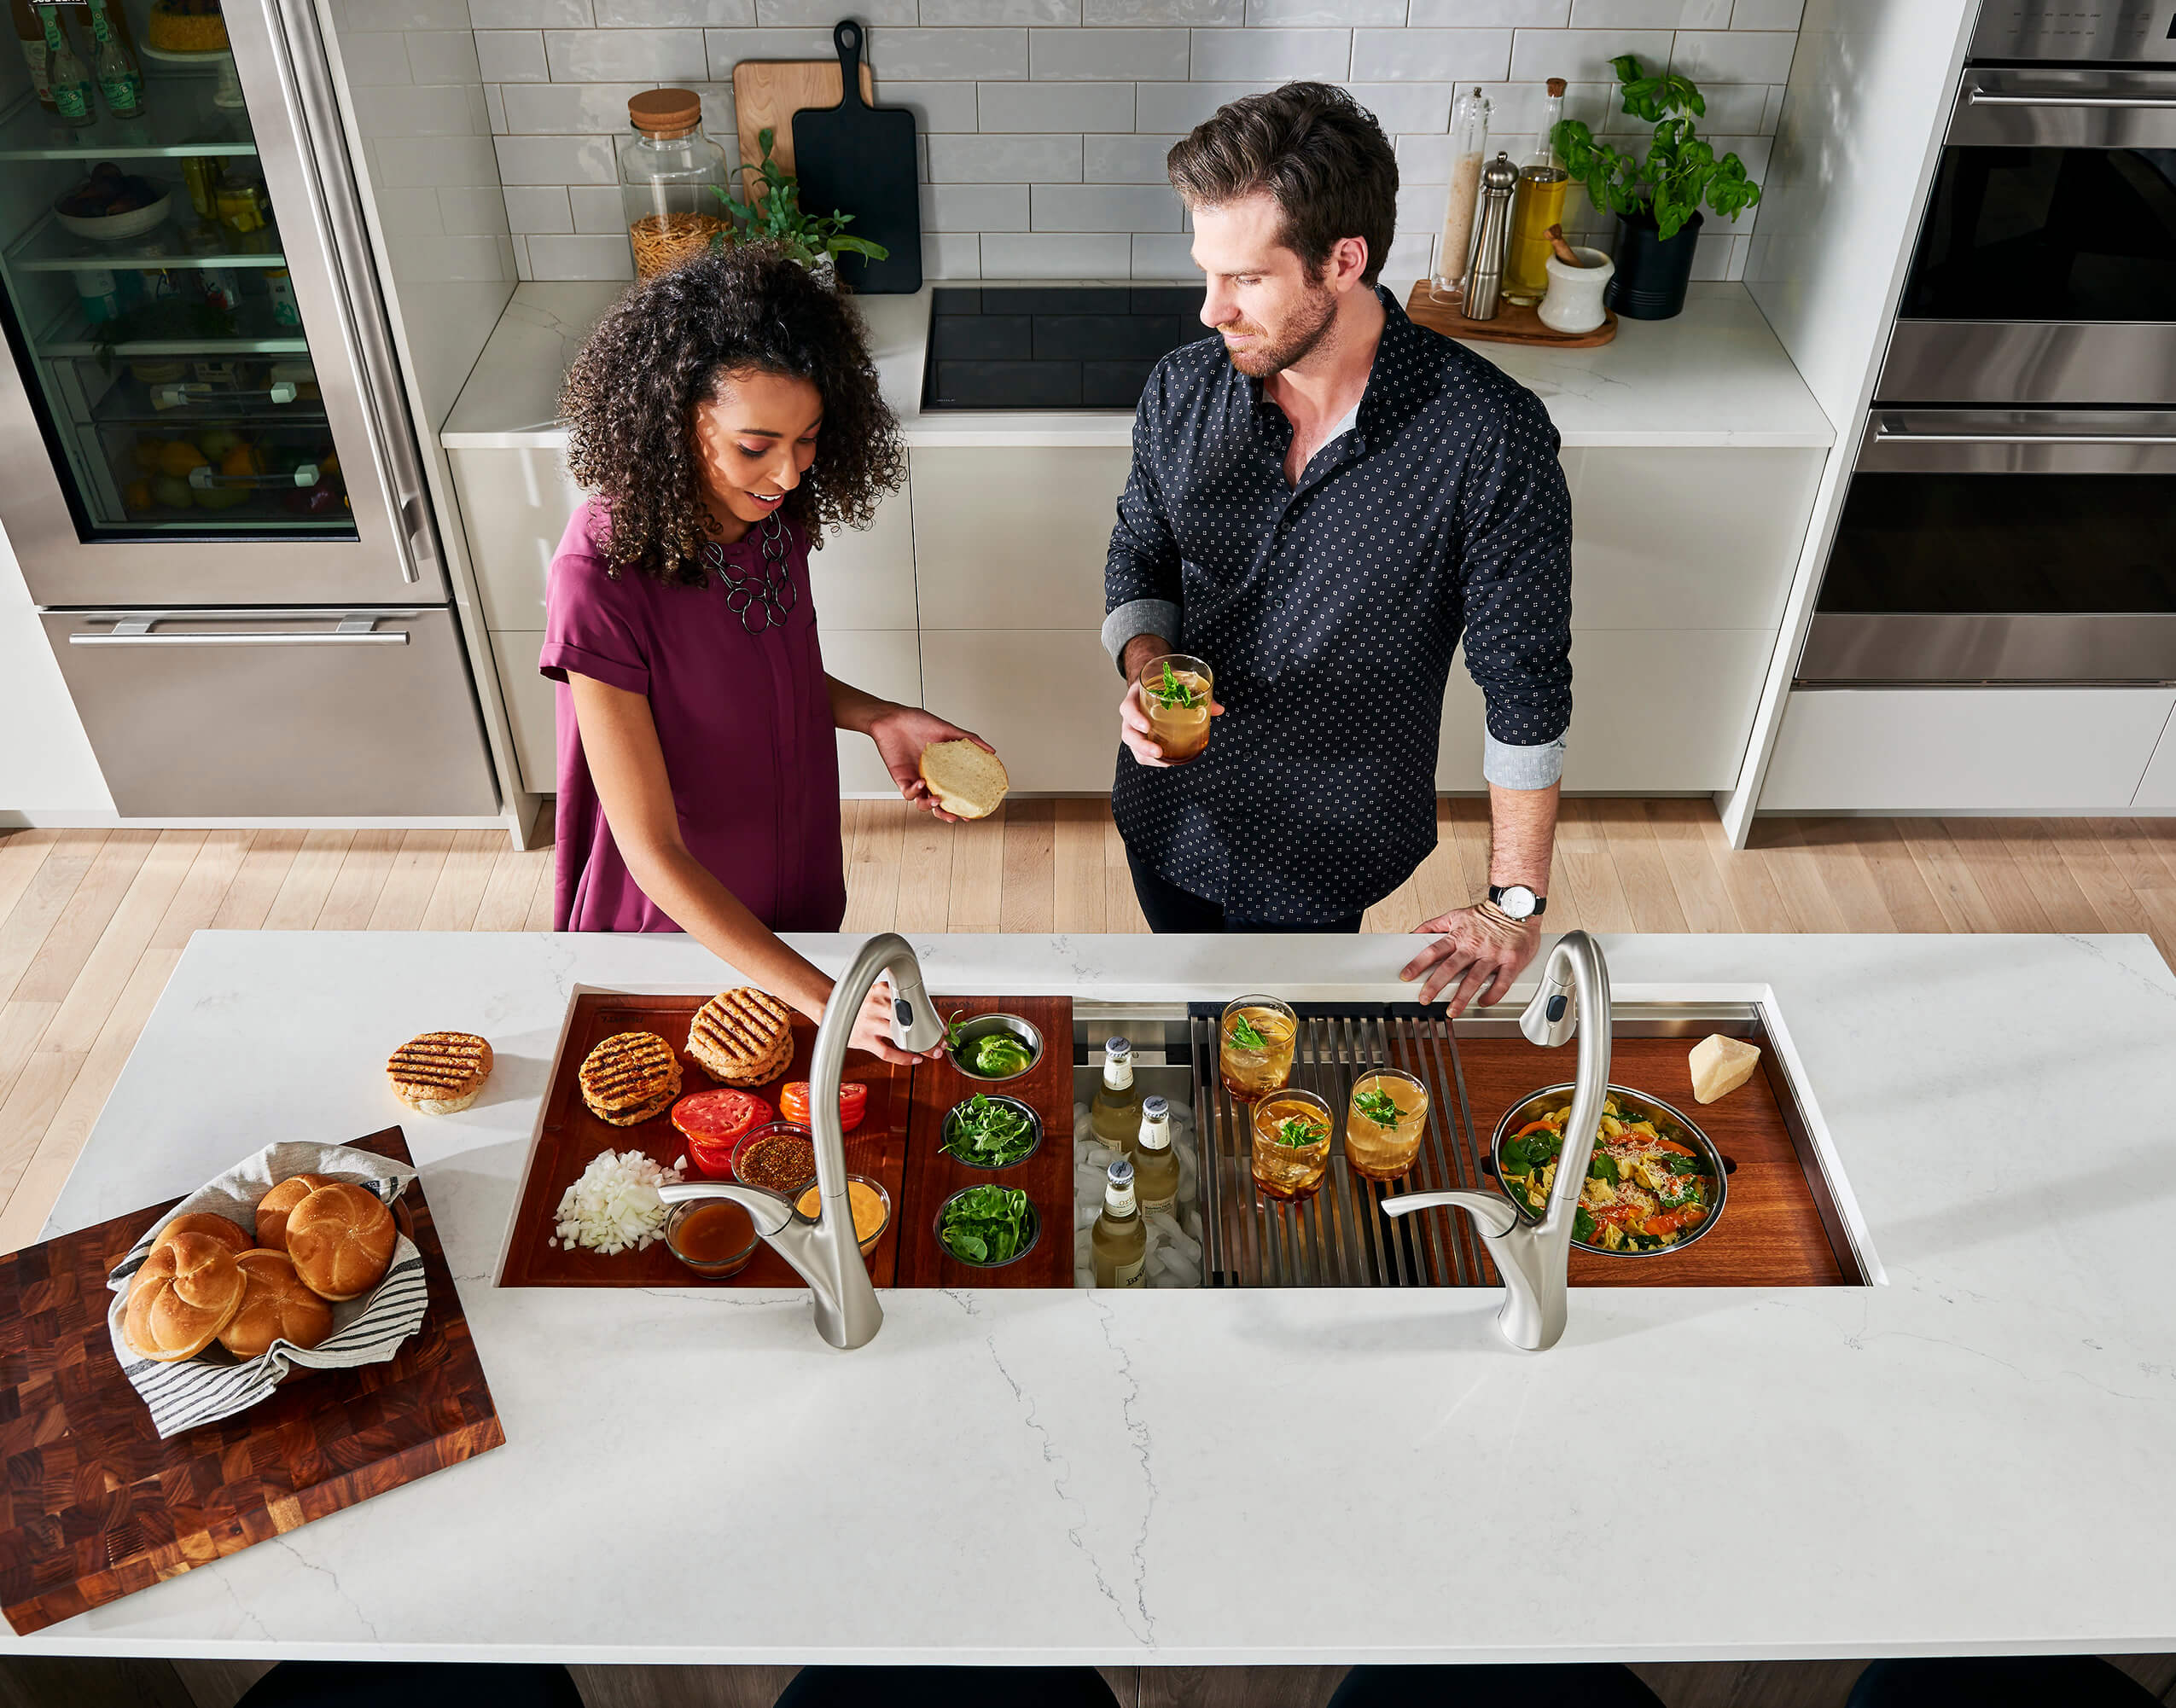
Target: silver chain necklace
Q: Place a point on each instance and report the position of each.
(760, 600)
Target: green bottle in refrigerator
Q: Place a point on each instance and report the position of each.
(120, 79)
(65, 76)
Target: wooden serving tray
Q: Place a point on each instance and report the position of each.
(97, 1506)
(1515, 323)
(1771, 1232)
(898, 1142)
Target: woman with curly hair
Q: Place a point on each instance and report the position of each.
(698, 775)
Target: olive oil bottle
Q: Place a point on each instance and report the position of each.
(1115, 1114)
(1539, 204)
(1120, 1240)
(1155, 1164)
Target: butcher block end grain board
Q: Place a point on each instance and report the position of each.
(1771, 1232)
(900, 1142)
(1515, 323)
(97, 1506)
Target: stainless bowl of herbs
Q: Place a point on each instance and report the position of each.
(993, 1132)
(988, 1227)
(991, 1047)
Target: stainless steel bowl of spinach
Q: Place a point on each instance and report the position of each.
(988, 1227)
(993, 1132)
(994, 1047)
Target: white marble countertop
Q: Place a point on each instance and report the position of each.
(1971, 1455)
(1714, 375)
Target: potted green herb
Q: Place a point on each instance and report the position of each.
(775, 216)
(1657, 200)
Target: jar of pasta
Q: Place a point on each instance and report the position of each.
(671, 177)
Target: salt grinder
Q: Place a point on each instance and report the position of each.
(1491, 238)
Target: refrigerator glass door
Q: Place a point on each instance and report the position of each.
(198, 414)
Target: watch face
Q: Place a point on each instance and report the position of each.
(1516, 900)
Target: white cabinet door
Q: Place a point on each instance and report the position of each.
(864, 579)
(530, 707)
(515, 504)
(884, 662)
(1046, 700)
(1687, 537)
(1964, 749)
(2157, 788)
(1014, 537)
(1654, 711)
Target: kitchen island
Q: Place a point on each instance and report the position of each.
(1949, 1459)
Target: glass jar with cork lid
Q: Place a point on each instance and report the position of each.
(671, 176)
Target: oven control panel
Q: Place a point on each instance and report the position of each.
(2107, 30)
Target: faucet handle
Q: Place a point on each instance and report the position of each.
(1493, 1214)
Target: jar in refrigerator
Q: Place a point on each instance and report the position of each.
(671, 177)
(240, 201)
(98, 293)
(200, 173)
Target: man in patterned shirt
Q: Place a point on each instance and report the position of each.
(1324, 499)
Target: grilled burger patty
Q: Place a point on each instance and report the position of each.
(630, 1077)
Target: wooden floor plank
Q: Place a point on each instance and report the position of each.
(1078, 896)
(410, 880)
(32, 1101)
(309, 881)
(1399, 911)
(2137, 854)
(1904, 891)
(925, 888)
(1583, 857)
(2095, 869)
(1642, 872)
(1839, 850)
(2037, 858)
(21, 853)
(249, 900)
(505, 905)
(22, 1025)
(82, 922)
(1947, 874)
(110, 965)
(1121, 906)
(1028, 902)
(1702, 896)
(873, 876)
(1982, 844)
(1794, 872)
(364, 870)
(459, 891)
(977, 900)
(1438, 884)
(31, 919)
(542, 899)
(1470, 842)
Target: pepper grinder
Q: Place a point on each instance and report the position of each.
(1491, 238)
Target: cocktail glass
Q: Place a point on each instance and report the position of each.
(1175, 693)
(1255, 1050)
(1381, 1148)
(1291, 1150)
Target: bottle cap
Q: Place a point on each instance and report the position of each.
(1557, 85)
(1155, 1108)
(1121, 1171)
(665, 109)
(1117, 1047)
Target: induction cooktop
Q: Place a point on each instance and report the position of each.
(1052, 346)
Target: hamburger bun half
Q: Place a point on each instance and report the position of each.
(967, 779)
(439, 1073)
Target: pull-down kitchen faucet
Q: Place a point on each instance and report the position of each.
(825, 1251)
(1532, 1256)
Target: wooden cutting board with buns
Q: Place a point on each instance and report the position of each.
(95, 1506)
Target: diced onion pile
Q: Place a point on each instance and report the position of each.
(614, 1205)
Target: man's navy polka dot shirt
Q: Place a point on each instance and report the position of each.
(1329, 612)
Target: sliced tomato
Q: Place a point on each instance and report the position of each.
(714, 1122)
(853, 1103)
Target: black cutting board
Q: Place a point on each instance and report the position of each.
(859, 160)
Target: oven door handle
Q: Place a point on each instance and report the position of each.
(352, 632)
(1884, 434)
(1988, 97)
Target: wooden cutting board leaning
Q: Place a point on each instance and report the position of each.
(860, 159)
(767, 93)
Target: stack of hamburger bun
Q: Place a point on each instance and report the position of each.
(629, 1078)
(440, 1073)
(743, 1036)
(318, 1241)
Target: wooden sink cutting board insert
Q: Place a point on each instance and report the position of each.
(898, 1143)
(97, 1506)
(1772, 1231)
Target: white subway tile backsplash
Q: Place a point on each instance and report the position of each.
(528, 15)
(1584, 56)
(1177, 108)
(1056, 107)
(472, 211)
(373, 59)
(971, 12)
(558, 109)
(1057, 255)
(1105, 207)
(407, 109)
(1227, 55)
(1734, 55)
(1277, 14)
(992, 53)
(951, 255)
(1423, 160)
(410, 211)
(1766, 15)
(511, 56)
(975, 208)
(771, 14)
(1210, 14)
(537, 207)
(555, 161)
(1005, 159)
(351, 17)
(443, 56)
(1647, 14)
(667, 56)
(1410, 254)
(1431, 56)
(495, 106)
(429, 162)
(1403, 106)
(1161, 255)
(597, 208)
(936, 106)
(1067, 55)
(1537, 14)
(1125, 160)
(728, 48)
(654, 14)
(581, 258)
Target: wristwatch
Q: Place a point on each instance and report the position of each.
(1516, 901)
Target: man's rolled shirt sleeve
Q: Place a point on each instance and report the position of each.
(1141, 573)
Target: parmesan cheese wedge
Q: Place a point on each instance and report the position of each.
(1720, 1065)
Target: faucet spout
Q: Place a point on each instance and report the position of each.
(1534, 1257)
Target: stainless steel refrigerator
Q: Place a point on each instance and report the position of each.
(208, 472)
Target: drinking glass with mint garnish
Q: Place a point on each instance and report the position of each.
(1176, 692)
(1385, 1123)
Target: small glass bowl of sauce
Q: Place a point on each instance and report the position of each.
(871, 1204)
(712, 1236)
(780, 1158)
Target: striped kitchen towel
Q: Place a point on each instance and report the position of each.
(215, 1384)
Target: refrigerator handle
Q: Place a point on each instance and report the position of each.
(300, 44)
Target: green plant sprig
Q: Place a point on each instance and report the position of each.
(1680, 172)
(775, 216)
(1298, 1132)
(1379, 1106)
(1244, 1035)
(1170, 693)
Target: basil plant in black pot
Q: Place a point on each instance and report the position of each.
(1656, 200)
